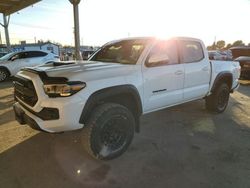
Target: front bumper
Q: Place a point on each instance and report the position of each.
(48, 114)
(69, 118)
(22, 118)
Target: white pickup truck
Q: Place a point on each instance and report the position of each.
(121, 81)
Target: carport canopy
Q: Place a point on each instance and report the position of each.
(8, 7)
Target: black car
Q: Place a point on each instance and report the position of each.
(242, 54)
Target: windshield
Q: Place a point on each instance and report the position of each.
(7, 56)
(124, 52)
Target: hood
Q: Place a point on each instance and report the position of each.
(2, 61)
(67, 69)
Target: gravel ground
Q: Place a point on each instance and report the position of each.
(183, 146)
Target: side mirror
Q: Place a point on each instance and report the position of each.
(158, 59)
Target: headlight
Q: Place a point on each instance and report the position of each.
(63, 90)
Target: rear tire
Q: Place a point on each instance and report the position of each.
(109, 131)
(218, 100)
(4, 74)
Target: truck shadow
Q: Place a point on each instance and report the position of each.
(244, 89)
(6, 84)
(6, 102)
(182, 146)
(6, 117)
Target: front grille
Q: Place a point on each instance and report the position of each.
(25, 90)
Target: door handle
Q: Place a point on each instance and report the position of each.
(205, 68)
(179, 72)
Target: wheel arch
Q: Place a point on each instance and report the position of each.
(126, 95)
(5, 68)
(223, 77)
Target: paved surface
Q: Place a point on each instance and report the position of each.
(182, 146)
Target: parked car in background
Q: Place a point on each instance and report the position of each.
(3, 54)
(11, 63)
(245, 66)
(219, 55)
(242, 54)
(215, 55)
(227, 55)
(86, 54)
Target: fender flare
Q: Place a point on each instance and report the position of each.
(99, 96)
(221, 76)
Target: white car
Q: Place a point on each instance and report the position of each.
(124, 79)
(13, 62)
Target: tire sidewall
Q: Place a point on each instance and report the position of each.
(4, 72)
(222, 88)
(99, 122)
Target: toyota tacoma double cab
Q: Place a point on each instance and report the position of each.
(106, 95)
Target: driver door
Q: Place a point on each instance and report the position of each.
(163, 77)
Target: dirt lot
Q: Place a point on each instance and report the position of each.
(182, 146)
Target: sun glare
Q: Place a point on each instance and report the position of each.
(102, 21)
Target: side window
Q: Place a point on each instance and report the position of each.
(163, 53)
(191, 51)
(21, 55)
(14, 57)
(36, 54)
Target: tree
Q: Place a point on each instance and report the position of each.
(238, 43)
(220, 44)
(228, 46)
(212, 47)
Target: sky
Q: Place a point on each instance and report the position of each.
(105, 20)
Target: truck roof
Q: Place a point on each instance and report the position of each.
(154, 38)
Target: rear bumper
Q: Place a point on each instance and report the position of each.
(235, 88)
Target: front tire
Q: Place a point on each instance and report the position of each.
(3, 74)
(109, 131)
(218, 100)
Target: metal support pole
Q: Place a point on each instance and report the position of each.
(1, 42)
(76, 29)
(6, 25)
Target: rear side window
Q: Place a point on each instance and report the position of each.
(36, 54)
(191, 51)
